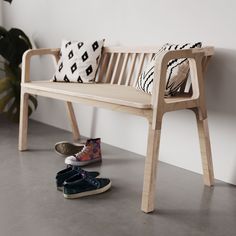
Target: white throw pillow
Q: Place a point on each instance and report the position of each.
(177, 70)
(79, 61)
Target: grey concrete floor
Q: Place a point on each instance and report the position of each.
(30, 205)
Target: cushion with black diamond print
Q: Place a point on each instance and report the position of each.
(78, 61)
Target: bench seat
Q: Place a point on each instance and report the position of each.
(112, 93)
(109, 93)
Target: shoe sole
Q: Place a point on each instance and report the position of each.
(65, 148)
(84, 163)
(88, 193)
(61, 188)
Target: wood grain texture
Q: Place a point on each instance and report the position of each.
(117, 94)
(139, 69)
(23, 124)
(150, 170)
(131, 70)
(73, 122)
(124, 64)
(205, 146)
(103, 65)
(147, 113)
(115, 69)
(109, 68)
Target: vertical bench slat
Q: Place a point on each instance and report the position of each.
(153, 54)
(123, 68)
(115, 68)
(149, 57)
(140, 66)
(109, 68)
(129, 76)
(103, 66)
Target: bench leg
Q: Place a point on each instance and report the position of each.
(23, 126)
(73, 122)
(205, 146)
(149, 182)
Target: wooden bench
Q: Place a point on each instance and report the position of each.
(115, 90)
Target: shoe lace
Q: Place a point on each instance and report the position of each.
(90, 179)
(83, 172)
(84, 151)
(80, 171)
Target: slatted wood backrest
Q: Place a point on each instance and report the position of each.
(122, 66)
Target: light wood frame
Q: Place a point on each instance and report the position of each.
(118, 66)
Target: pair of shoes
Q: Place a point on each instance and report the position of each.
(70, 171)
(76, 182)
(90, 153)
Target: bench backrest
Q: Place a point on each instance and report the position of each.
(123, 65)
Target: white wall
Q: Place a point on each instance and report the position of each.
(144, 22)
(1, 13)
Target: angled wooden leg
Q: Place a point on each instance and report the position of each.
(73, 122)
(149, 182)
(23, 126)
(205, 146)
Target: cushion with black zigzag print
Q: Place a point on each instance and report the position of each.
(78, 61)
(177, 70)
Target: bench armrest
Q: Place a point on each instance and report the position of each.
(25, 76)
(198, 59)
(195, 57)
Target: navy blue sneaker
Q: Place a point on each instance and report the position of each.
(71, 171)
(82, 185)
